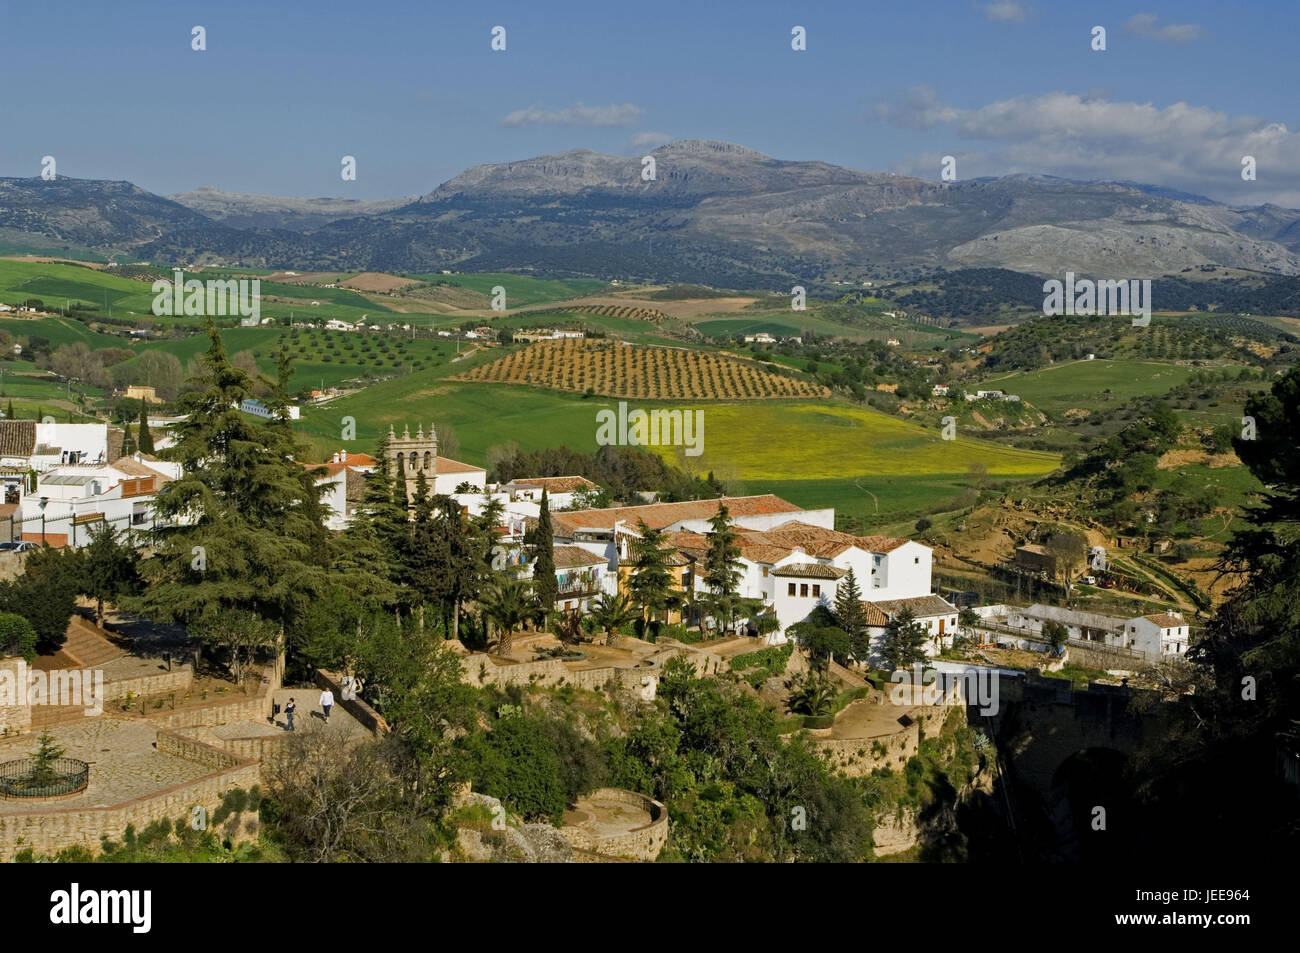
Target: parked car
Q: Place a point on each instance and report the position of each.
(16, 547)
(1088, 580)
(1107, 584)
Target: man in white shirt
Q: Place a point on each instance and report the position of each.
(327, 702)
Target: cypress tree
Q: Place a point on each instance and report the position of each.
(145, 443)
(722, 572)
(545, 585)
(852, 617)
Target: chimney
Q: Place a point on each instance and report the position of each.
(343, 456)
(335, 458)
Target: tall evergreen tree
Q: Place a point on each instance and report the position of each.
(129, 446)
(650, 583)
(11, 414)
(545, 585)
(852, 617)
(145, 441)
(462, 567)
(110, 568)
(722, 569)
(904, 641)
(240, 527)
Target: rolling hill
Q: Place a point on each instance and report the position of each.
(715, 214)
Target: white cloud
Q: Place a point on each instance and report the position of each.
(1006, 11)
(579, 115)
(643, 142)
(1147, 25)
(1182, 146)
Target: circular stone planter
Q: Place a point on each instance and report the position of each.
(64, 776)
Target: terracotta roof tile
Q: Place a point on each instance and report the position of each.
(556, 484)
(661, 515)
(923, 607)
(575, 557)
(17, 438)
(810, 571)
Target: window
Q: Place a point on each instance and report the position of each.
(803, 589)
(817, 591)
(791, 592)
(916, 561)
(764, 572)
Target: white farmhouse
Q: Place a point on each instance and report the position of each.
(1157, 636)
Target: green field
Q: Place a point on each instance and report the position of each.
(815, 454)
(57, 285)
(780, 441)
(627, 329)
(1084, 383)
(521, 290)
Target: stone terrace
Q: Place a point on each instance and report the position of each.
(124, 764)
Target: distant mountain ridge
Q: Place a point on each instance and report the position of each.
(244, 210)
(715, 213)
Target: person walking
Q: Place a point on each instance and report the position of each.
(326, 702)
(289, 709)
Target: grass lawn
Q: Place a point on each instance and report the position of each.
(1083, 384)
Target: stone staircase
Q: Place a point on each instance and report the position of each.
(847, 675)
(86, 646)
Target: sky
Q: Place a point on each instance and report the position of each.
(414, 91)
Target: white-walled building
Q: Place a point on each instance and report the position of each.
(69, 501)
(933, 613)
(33, 445)
(799, 588)
(561, 491)
(1161, 635)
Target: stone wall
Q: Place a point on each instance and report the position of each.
(357, 708)
(641, 843)
(49, 831)
(860, 756)
(178, 680)
(14, 719)
(221, 710)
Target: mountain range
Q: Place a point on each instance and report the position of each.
(714, 213)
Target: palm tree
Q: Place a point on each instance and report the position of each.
(569, 627)
(506, 603)
(611, 612)
(812, 694)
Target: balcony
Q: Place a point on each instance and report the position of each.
(584, 585)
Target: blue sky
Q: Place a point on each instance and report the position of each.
(414, 92)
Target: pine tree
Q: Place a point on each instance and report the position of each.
(722, 571)
(463, 570)
(422, 557)
(11, 414)
(904, 641)
(251, 542)
(545, 585)
(650, 583)
(851, 616)
(145, 443)
(110, 567)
